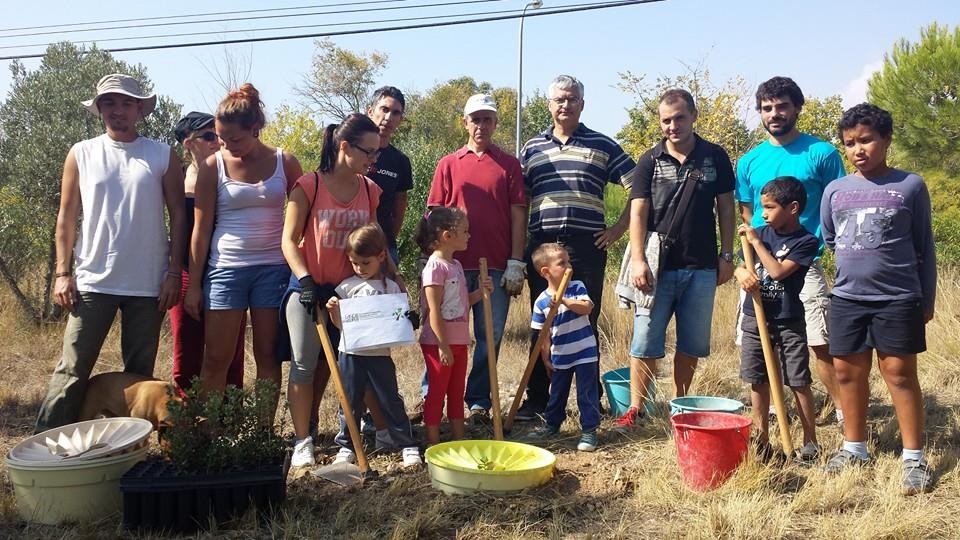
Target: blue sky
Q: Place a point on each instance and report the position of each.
(827, 46)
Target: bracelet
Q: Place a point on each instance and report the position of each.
(64, 274)
(174, 274)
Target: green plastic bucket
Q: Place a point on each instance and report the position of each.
(688, 404)
(616, 384)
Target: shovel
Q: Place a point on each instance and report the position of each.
(491, 356)
(535, 353)
(345, 474)
(770, 357)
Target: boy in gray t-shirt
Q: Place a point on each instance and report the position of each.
(877, 221)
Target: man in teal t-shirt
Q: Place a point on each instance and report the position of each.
(816, 163)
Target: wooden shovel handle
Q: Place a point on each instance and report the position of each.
(770, 357)
(491, 354)
(352, 426)
(535, 353)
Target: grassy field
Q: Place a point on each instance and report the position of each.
(629, 488)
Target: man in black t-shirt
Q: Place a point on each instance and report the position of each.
(690, 269)
(392, 171)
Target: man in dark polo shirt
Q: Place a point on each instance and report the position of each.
(566, 169)
(392, 171)
(691, 268)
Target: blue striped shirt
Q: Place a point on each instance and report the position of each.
(565, 181)
(571, 337)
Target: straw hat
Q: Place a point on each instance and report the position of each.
(118, 83)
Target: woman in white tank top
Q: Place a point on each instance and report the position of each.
(244, 185)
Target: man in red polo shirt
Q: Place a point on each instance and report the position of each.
(487, 183)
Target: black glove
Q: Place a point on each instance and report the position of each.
(414, 317)
(308, 295)
(325, 292)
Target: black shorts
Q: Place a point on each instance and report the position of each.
(789, 338)
(889, 326)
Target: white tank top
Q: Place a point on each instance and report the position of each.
(122, 247)
(249, 219)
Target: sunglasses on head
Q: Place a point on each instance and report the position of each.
(207, 136)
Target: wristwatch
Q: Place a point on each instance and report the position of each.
(727, 256)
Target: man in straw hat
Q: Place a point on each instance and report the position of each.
(124, 259)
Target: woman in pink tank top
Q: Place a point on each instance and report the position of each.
(244, 184)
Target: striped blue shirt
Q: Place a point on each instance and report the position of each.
(565, 181)
(571, 337)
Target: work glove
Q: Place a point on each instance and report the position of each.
(414, 317)
(513, 277)
(308, 295)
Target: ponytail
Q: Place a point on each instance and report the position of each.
(353, 127)
(329, 149)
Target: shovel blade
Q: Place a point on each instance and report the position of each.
(344, 474)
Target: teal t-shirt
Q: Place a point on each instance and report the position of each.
(814, 162)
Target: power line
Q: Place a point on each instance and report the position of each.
(188, 15)
(253, 18)
(539, 13)
(296, 27)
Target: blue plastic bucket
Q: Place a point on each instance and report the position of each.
(688, 404)
(616, 384)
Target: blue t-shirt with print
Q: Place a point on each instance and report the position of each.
(815, 163)
(781, 299)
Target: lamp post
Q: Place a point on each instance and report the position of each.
(535, 4)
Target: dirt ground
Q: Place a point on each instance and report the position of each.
(629, 488)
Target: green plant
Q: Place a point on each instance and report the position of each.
(220, 431)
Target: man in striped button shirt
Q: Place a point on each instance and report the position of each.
(566, 169)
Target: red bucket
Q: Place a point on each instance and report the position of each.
(710, 446)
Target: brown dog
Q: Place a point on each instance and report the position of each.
(127, 394)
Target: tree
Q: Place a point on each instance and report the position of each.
(721, 111)
(920, 85)
(340, 81)
(39, 122)
(297, 133)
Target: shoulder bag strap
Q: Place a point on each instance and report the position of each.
(316, 188)
(689, 185)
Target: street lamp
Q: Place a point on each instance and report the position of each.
(535, 4)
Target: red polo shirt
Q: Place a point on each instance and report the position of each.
(485, 187)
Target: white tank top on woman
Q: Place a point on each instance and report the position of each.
(122, 247)
(249, 219)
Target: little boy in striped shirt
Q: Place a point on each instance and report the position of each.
(570, 350)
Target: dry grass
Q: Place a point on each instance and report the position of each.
(629, 488)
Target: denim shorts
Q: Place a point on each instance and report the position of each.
(688, 294)
(259, 286)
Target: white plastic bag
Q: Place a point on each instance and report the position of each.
(375, 322)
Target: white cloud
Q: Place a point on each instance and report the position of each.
(856, 90)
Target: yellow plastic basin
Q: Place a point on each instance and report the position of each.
(80, 491)
(463, 467)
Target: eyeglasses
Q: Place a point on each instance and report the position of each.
(371, 154)
(207, 136)
(566, 100)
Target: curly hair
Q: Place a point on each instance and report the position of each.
(780, 87)
(866, 114)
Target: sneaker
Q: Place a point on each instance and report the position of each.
(479, 417)
(543, 432)
(303, 454)
(345, 455)
(383, 442)
(528, 411)
(630, 419)
(588, 441)
(367, 427)
(842, 460)
(809, 452)
(411, 457)
(416, 415)
(916, 477)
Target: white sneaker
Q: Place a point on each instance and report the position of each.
(345, 455)
(303, 454)
(411, 457)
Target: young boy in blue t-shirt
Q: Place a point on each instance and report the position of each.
(570, 349)
(784, 251)
(878, 223)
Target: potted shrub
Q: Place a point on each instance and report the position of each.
(221, 453)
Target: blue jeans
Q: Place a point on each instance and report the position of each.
(588, 397)
(689, 294)
(477, 395)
